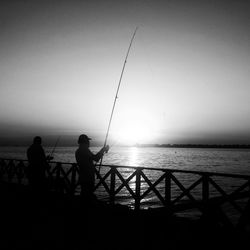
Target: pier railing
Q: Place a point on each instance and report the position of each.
(174, 190)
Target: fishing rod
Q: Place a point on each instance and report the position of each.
(53, 150)
(117, 91)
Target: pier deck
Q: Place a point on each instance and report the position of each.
(61, 220)
(64, 222)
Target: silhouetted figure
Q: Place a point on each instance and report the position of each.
(85, 160)
(37, 166)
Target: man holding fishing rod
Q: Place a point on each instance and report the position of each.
(85, 160)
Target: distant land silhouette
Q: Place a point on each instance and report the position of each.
(194, 145)
(70, 141)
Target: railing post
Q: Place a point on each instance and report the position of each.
(2, 168)
(73, 179)
(112, 186)
(205, 196)
(10, 168)
(138, 189)
(167, 188)
(205, 188)
(58, 170)
(19, 171)
(245, 215)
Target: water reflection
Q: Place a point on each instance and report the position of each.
(133, 156)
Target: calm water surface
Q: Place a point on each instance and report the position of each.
(200, 159)
(235, 161)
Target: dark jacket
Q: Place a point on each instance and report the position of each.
(85, 160)
(37, 162)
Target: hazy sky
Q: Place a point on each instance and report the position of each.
(186, 79)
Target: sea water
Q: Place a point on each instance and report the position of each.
(219, 160)
(230, 161)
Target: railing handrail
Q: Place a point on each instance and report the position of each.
(172, 170)
(112, 182)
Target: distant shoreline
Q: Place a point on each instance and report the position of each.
(236, 146)
(240, 146)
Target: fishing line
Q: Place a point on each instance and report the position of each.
(53, 150)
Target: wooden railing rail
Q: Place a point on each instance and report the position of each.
(174, 189)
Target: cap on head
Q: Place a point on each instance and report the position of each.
(37, 140)
(83, 139)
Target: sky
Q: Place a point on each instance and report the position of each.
(186, 79)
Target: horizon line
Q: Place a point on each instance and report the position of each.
(166, 145)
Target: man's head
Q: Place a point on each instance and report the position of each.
(37, 140)
(83, 139)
